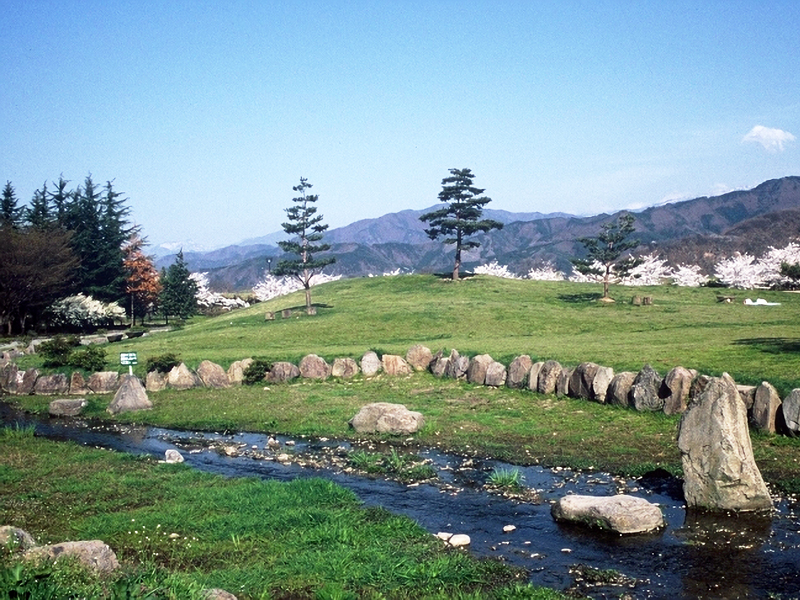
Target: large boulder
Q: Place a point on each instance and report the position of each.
(48, 385)
(236, 371)
(344, 368)
(619, 389)
(562, 384)
(282, 372)
(156, 381)
(644, 391)
(104, 382)
(580, 383)
(600, 384)
(395, 365)
(748, 395)
(496, 374)
(26, 385)
(519, 372)
(791, 411)
(419, 357)
(370, 364)
(675, 389)
(66, 407)
(457, 365)
(314, 367)
(94, 554)
(131, 396)
(8, 378)
(385, 417)
(533, 376)
(181, 378)
(476, 372)
(77, 384)
(212, 375)
(719, 470)
(548, 377)
(621, 514)
(438, 364)
(765, 407)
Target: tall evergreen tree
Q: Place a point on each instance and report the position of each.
(178, 296)
(461, 217)
(10, 213)
(609, 252)
(39, 214)
(60, 199)
(306, 229)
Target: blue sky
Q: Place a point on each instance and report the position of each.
(207, 113)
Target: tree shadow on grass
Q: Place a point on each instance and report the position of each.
(580, 298)
(772, 345)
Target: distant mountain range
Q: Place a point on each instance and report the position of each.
(698, 231)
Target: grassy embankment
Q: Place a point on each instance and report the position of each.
(178, 531)
(484, 315)
(503, 318)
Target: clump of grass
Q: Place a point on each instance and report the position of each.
(506, 478)
(17, 431)
(404, 467)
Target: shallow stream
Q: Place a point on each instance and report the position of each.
(694, 556)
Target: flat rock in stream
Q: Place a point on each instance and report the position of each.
(621, 514)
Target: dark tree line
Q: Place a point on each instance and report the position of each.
(64, 241)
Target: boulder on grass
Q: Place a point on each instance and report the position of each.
(131, 396)
(765, 407)
(385, 417)
(212, 375)
(314, 367)
(619, 389)
(518, 372)
(77, 384)
(395, 365)
(94, 554)
(370, 364)
(580, 383)
(496, 374)
(675, 389)
(156, 381)
(719, 470)
(47, 385)
(791, 411)
(620, 514)
(26, 385)
(419, 357)
(67, 407)
(103, 382)
(644, 391)
(476, 372)
(600, 384)
(457, 365)
(236, 371)
(562, 384)
(181, 378)
(282, 372)
(548, 377)
(344, 368)
(533, 376)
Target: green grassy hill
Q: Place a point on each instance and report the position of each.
(505, 318)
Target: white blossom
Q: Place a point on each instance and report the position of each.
(547, 272)
(741, 271)
(496, 270)
(651, 271)
(84, 311)
(688, 276)
(772, 260)
(579, 277)
(208, 299)
(272, 287)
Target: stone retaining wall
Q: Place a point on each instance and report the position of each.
(646, 390)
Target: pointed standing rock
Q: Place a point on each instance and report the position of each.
(130, 396)
(720, 472)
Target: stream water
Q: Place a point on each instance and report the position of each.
(695, 556)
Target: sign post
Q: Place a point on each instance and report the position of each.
(129, 359)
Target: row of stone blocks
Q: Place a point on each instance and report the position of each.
(643, 391)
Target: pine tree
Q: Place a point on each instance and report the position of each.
(461, 217)
(39, 214)
(61, 199)
(10, 213)
(610, 251)
(178, 292)
(307, 230)
(143, 282)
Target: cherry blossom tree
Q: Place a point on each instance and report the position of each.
(689, 276)
(208, 299)
(650, 271)
(496, 270)
(546, 272)
(272, 286)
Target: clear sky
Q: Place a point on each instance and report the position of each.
(207, 113)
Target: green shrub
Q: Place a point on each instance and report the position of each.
(506, 478)
(256, 371)
(56, 352)
(93, 358)
(162, 363)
